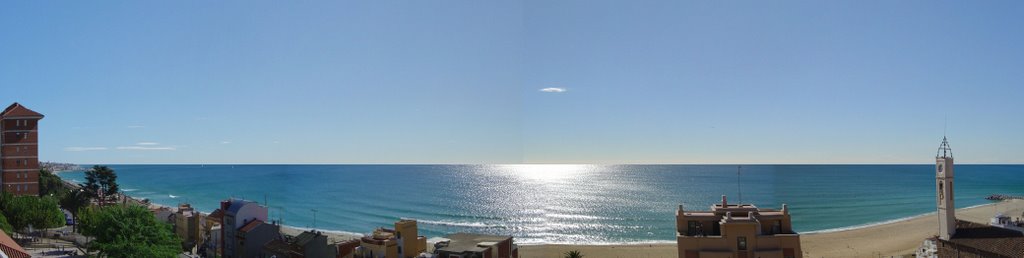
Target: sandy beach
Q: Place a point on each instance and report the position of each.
(885, 240)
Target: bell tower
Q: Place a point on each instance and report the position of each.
(944, 190)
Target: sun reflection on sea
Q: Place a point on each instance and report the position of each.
(546, 172)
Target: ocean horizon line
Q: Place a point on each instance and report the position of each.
(500, 164)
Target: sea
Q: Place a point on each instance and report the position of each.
(561, 204)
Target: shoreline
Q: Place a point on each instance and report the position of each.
(138, 201)
(894, 238)
(332, 235)
(886, 222)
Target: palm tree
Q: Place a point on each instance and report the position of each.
(573, 254)
(74, 201)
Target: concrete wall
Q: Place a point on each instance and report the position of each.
(727, 245)
(407, 233)
(318, 247)
(251, 243)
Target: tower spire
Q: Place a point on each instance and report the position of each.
(944, 151)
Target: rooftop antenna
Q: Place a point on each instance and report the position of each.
(739, 189)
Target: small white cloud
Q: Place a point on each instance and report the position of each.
(136, 126)
(148, 143)
(225, 142)
(144, 148)
(553, 90)
(85, 148)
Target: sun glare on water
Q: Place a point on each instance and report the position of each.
(546, 172)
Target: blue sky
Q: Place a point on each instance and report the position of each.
(461, 81)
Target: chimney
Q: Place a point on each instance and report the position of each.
(724, 203)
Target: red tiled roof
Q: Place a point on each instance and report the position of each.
(11, 248)
(251, 225)
(18, 110)
(217, 215)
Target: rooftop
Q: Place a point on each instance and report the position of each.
(305, 238)
(281, 247)
(236, 204)
(11, 248)
(292, 246)
(739, 208)
(17, 110)
(251, 225)
(462, 242)
(217, 215)
(995, 240)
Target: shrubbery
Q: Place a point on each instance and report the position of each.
(128, 231)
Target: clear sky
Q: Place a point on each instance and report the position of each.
(517, 82)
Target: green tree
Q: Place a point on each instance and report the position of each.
(40, 212)
(573, 254)
(74, 202)
(49, 183)
(101, 180)
(128, 231)
(5, 200)
(6, 227)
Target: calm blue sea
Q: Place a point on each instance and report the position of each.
(561, 203)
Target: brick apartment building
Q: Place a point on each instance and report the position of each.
(19, 150)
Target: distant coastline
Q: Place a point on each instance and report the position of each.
(57, 167)
(334, 235)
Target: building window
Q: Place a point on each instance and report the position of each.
(691, 228)
(941, 191)
(400, 249)
(777, 227)
(741, 243)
